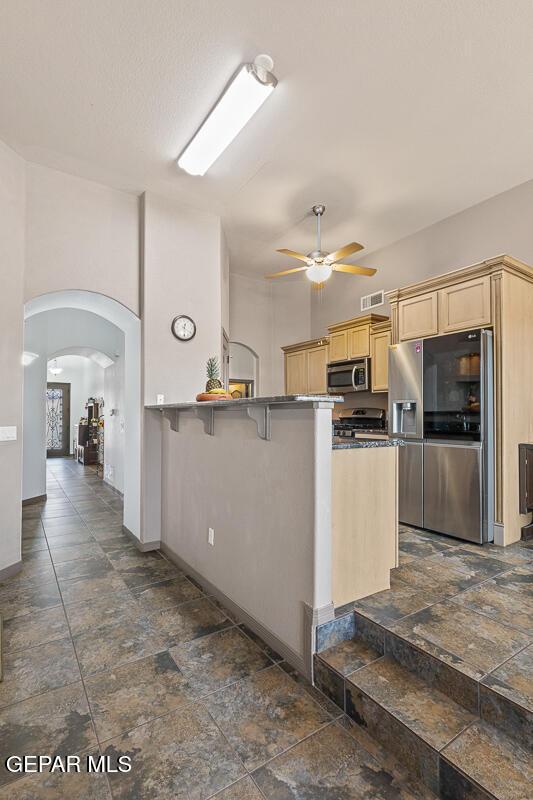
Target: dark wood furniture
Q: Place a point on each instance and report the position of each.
(88, 435)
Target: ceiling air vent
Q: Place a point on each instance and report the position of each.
(372, 300)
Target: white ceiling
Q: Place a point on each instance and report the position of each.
(395, 113)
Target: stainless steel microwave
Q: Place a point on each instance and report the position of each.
(349, 376)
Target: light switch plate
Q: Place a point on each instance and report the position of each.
(8, 433)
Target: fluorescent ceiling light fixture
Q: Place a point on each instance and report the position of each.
(28, 358)
(318, 273)
(243, 96)
(54, 369)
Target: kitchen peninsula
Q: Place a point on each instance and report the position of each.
(277, 520)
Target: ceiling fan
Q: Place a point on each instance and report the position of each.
(320, 265)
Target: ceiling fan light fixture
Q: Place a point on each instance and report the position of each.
(318, 273)
(243, 96)
(320, 264)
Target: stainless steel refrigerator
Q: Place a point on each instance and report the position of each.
(441, 405)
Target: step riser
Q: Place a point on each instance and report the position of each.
(337, 630)
(421, 760)
(502, 713)
(329, 682)
(453, 785)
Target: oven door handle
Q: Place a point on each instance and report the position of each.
(353, 376)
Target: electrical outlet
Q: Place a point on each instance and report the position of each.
(160, 399)
(211, 536)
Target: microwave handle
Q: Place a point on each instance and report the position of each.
(353, 376)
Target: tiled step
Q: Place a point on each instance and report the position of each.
(506, 697)
(332, 666)
(410, 718)
(508, 686)
(417, 705)
(483, 762)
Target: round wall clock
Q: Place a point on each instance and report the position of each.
(183, 328)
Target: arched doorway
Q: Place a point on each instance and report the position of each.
(243, 369)
(109, 314)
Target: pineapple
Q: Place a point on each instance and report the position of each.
(213, 373)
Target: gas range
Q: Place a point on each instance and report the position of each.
(360, 420)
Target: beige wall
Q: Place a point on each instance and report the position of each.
(499, 225)
(268, 557)
(224, 278)
(12, 216)
(80, 235)
(265, 316)
(181, 275)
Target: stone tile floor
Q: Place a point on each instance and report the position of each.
(449, 644)
(110, 651)
(470, 605)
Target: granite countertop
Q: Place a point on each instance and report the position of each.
(340, 443)
(286, 399)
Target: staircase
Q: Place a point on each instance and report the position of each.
(454, 729)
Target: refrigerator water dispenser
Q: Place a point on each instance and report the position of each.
(404, 418)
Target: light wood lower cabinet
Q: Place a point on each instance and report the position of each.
(418, 316)
(364, 521)
(465, 305)
(379, 365)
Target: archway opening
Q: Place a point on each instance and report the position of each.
(243, 370)
(94, 328)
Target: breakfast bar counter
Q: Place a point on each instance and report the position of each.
(254, 499)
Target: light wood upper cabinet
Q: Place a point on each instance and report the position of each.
(379, 368)
(465, 305)
(351, 338)
(338, 346)
(359, 342)
(418, 316)
(296, 372)
(306, 367)
(306, 363)
(317, 363)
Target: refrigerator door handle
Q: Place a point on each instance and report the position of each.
(487, 434)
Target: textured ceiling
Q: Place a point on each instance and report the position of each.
(395, 113)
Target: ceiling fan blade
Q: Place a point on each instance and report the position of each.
(347, 250)
(353, 269)
(294, 254)
(286, 272)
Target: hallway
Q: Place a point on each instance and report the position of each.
(108, 650)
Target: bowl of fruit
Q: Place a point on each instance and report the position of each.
(213, 388)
